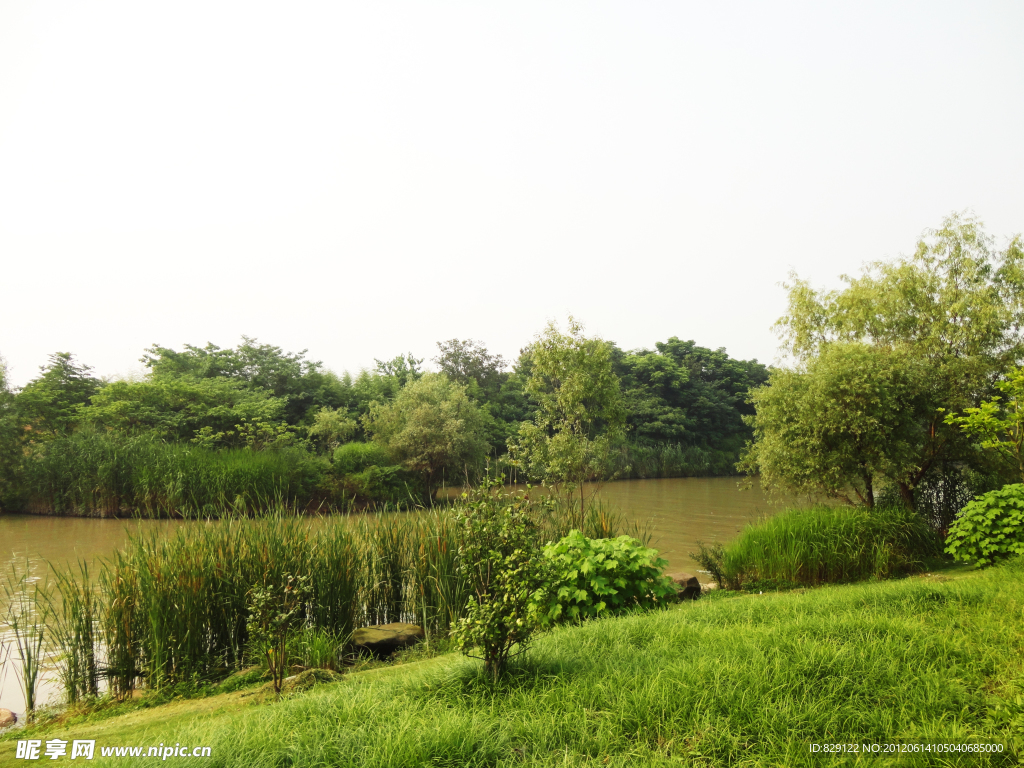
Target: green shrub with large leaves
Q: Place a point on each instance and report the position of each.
(599, 577)
(989, 528)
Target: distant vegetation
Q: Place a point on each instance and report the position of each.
(213, 431)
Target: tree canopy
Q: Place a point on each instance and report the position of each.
(948, 317)
(432, 428)
(579, 409)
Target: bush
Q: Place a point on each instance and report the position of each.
(352, 458)
(990, 527)
(500, 559)
(598, 577)
(366, 472)
(825, 545)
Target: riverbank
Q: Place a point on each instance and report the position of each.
(728, 680)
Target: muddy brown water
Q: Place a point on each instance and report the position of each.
(679, 512)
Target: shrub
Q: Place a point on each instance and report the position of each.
(275, 614)
(501, 560)
(830, 545)
(366, 472)
(990, 527)
(598, 577)
(351, 458)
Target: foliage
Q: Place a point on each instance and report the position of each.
(954, 309)
(999, 426)
(468, 362)
(685, 394)
(276, 612)
(331, 427)
(598, 577)
(500, 558)
(989, 528)
(208, 411)
(828, 545)
(302, 386)
(49, 404)
(432, 428)
(579, 413)
(840, 427)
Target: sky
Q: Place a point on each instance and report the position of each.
(366, 179)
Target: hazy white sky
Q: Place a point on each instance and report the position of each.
(364, 179)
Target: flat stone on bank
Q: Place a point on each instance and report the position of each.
(384, 639)
(687, 584)
(7, 718)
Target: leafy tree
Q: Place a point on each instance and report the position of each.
(466, 362)
(682, 393)
(579, 410)
(500, 559)
(402, 369)
(998, 425)
(49, 404)
(841, 426)
(303, 385)
(214, 411)
(955, 307)
(431, 427)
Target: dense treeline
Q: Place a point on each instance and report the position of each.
(209, 430)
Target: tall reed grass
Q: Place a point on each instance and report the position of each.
(827, 545)
(26, 620)
(173, 609)
(108, 475)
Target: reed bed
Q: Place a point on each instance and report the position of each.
(173, 609)
(827, 545)
(108, 475)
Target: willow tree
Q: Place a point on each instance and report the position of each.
(579, 412)
(949, 316)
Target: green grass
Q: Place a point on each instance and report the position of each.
(747, 680)
(828, 545)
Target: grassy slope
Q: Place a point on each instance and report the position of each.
(728, 681)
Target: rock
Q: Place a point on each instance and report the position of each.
(687, 584)
(7, 718)
(385, 639)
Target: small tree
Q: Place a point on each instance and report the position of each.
(431, 427)
(501, 560)
(275, 613)
(580, 410)
(844, 423)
